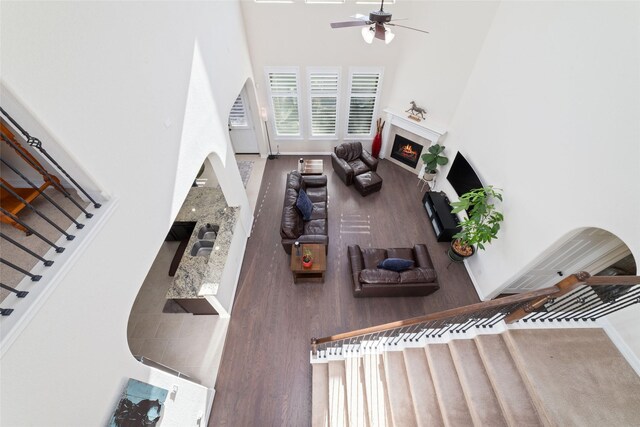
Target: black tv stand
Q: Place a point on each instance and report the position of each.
(445, 224)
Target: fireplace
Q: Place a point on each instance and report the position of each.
(406, 151)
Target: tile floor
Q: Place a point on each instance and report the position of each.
(190, 344)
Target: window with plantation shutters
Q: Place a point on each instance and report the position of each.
(238, 114)
(323, 99)
(364, 87)
(285, 101)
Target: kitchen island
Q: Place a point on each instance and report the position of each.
(201, 273)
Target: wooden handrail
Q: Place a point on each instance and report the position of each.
(530, 300)
(564, 286)
(441, 315)
(613, 280)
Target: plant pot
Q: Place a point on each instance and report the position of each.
(457, 252)
(307, 264)
(428, 176)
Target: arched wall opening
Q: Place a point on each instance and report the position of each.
(589, 249)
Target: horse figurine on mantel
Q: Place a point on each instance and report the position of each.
(416, 111)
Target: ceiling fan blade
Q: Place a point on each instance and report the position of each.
(360, 17)
(349, 24)
(410, 28)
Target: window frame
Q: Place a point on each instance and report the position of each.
(272, 118)
(316, 70)
(247, 116)
(362, 70)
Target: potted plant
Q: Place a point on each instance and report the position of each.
(482, 224)
(432, 160)
(307, 260)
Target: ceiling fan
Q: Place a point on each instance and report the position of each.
(376, 22)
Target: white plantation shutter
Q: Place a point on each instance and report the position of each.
(283, 89)
(323, 93)
(238, 114)
(363, 96)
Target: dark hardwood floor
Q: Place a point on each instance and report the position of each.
(265, 374)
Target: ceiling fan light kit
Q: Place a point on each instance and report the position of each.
(375, 23)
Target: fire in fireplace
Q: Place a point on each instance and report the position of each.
(405, 151)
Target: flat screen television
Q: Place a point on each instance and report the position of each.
(462, 177)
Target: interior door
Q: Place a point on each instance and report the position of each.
(590, 250)
(241, 127)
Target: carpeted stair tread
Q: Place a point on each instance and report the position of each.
(401, 402)
(320, 395)
(356, 395)
(337, 394)
(481, 399)
(422, 390)
(376, 389)
(579, 376)
(453, 405)
(512, 393)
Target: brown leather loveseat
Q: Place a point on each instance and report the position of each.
(293, 227)
(350, 160)
(371, 281)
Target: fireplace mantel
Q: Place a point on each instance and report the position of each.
(425, 129)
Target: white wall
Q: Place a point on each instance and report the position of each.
(110, 80)
(428, 68)
(550, 114)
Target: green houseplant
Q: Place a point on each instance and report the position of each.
(433, 159)
(307, 259)
(482, 224)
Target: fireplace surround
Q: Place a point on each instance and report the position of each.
(423, 133)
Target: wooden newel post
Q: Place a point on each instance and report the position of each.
(314, 346)
(565, 286)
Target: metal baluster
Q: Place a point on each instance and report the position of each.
(437, 326)
(606, 307)
(425, 328)
(26, 249)
(583, 304)
(49, 177)
(598, 302)
(561, 303)
(59, 249)
(614, 309)
(34, 277)
(485, 318)
(411, 331)
(19, 294)
(43, 194)
(35, 142)
(541, 311)
(491, 319)
(34, 209)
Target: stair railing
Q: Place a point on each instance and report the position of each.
(567, 300)
(15, 199)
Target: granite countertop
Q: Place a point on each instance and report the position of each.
(199, 276)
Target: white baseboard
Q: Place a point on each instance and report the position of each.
(622, 346)
(480, 293)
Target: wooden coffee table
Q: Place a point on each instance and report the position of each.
(316, 271)
(312, 167)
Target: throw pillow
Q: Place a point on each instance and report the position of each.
(396, 264)
(304, 205)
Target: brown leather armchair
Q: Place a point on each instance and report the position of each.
(371, 281)
(350, 159)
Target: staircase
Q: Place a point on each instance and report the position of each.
(520, 377)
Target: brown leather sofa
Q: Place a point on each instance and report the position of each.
(371, 281)
(350, 160)
(293, 227)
